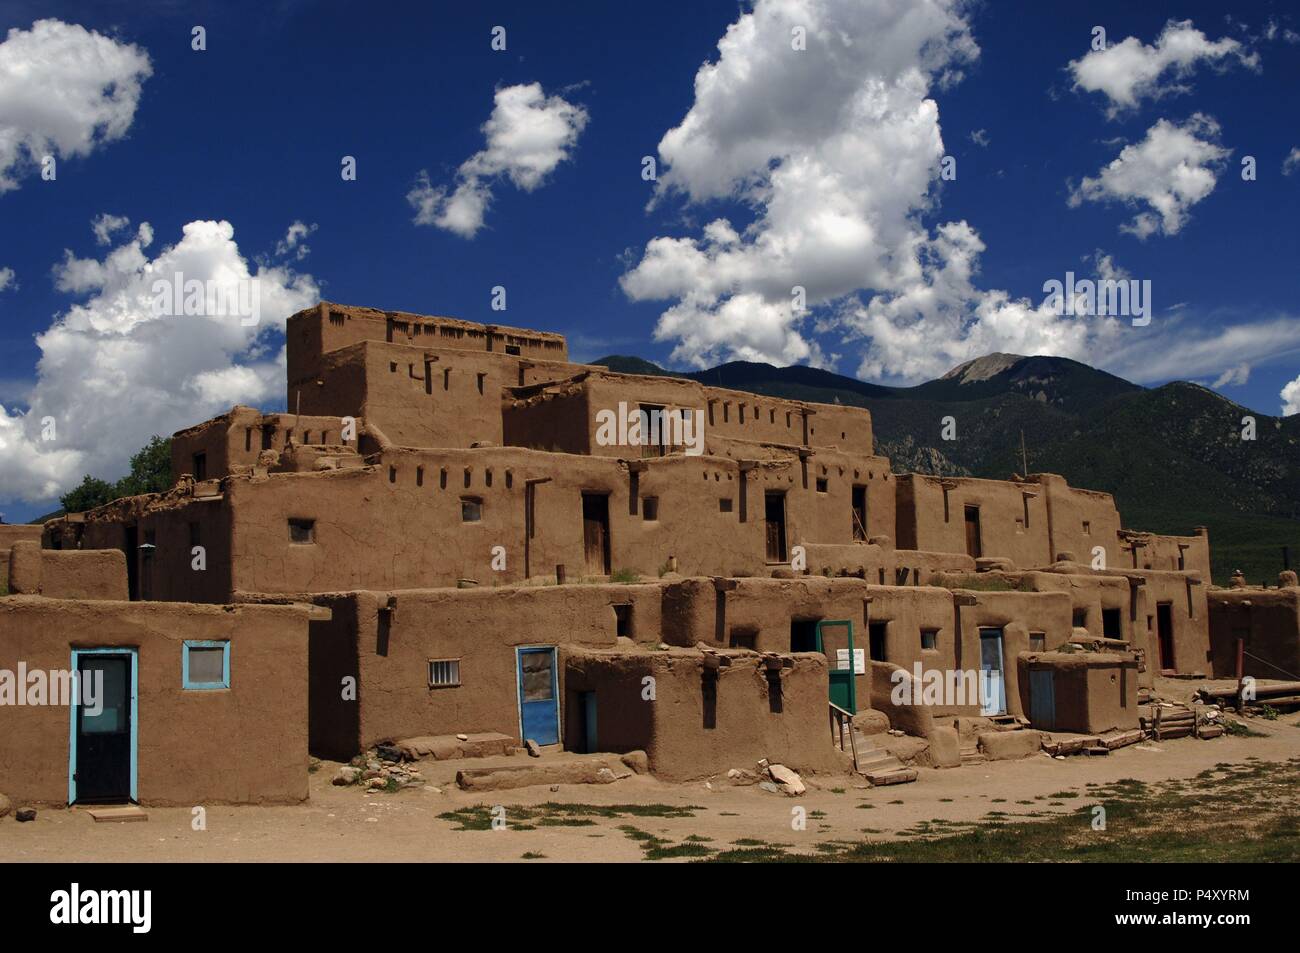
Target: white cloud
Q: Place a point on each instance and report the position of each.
(1130, 71)
(528, 135)
(1169, 171)
(294, 243)
(1234, 376)
(1292, 161)
(7, 280)
(105, 226)
(64, 91)
(113, 371)
(980, 137)
(834, 149)
(1291, 398)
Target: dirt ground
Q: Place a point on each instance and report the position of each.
(617, 821)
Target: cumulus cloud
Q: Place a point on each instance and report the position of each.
(833, 155)
(1130, 71)
(1291, 398)
(1169, 171)
(64, 91)
(116, 368)
(1292, 161)
(528, 135)
(834, 149)
(7, 280)
(105, 226)
(980, 137)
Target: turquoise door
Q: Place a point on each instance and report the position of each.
(539, 709)
(102, 749)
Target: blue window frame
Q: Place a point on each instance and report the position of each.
(206, 680)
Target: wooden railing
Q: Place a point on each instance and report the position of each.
(842, 721)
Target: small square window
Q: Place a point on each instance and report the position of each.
(1087, 528)
(929, 640)
(512, 349)
(724, 505)
(823, 485)
(205, 666)
(471, 509)
(650, 508)
(302, 531)
(1080, 620)
(1037, 641)
(444, 672)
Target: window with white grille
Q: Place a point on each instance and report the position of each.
(444, 673)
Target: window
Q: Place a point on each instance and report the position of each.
(512, 349)
(1037, 641)
(481, 378)
(823, 485)
(471, 509)
(1111, 624)
(200, 466)
(302, 531)
(205, 666)
(623, 620)
(724, 505)
(444, 673)
(1080, 620)
(1087, 528)
(650, 508)
(929, 640)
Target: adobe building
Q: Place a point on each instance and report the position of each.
(497, 541)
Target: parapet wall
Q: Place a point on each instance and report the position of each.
(66, 574)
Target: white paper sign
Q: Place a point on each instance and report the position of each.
(859, 660)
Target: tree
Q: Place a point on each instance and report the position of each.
(151, 472)
(91, 493)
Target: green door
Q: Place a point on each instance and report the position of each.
(843, 687)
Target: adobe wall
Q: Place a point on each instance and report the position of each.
(1174, 553)
(392, 636)
(701, 720)
(759, 614)
(247, 744)
(66, 574)
(11, 533)
(420, 397)
(1080, 521)
(235, 439)
(1013, 517)
(1092, 692)
(1019, 615)
(1268, 620)
(398, 524)
(172, 523)
(315, 331)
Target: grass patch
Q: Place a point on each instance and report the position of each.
(1183, 821)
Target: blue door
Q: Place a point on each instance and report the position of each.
(1042, 699)
(102, 747)
(992, 690)
(539, 709)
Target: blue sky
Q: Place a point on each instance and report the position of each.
(251, 131)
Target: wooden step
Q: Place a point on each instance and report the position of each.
(899, 775)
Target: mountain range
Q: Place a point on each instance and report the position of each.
(1174, 457)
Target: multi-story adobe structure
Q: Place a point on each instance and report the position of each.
(487, 538)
